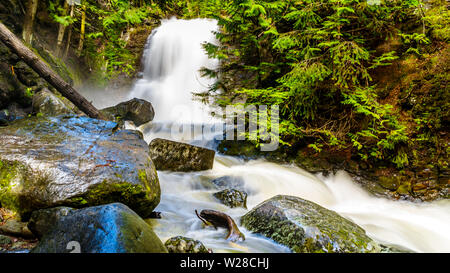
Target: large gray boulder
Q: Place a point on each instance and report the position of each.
(112, 228)
(305, 226)
(138, 111)
(229, 182)
(180, 157)
(77, 162)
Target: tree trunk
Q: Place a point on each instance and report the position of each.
(69, 35)
(27, 33)
(82, 30)
(61, 31)
(10, 40)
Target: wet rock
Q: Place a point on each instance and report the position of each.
(5, 240)
(394, 249)
(229, 182)
(49, 104)
(16, 228)
(12, 113)
(390, 183)
(180, 157)
(182, 244)
(244, 149)
(304, 226)
(26, 75)
(112, 228)
(42, 221)
(138, 111)
(4, 117)
(404, 189)
(77, 162)
(10, 88)
(232, 198)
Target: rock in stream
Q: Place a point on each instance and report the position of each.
(180, 157)
(77, 162)
(305, 226)
(112, 228)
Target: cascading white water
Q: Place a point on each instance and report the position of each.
(172, 59)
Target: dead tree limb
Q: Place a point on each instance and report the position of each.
(220, 219)
(38, 65)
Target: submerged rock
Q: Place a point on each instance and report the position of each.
(180, 157)
(49, 104)
(182, 244)
(232, 198)
(112, 228)
(305, 226)
(229, 182)
(138, 111)
(74, 161)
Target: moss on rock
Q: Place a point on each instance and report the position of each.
(304, 226)
(75, 161)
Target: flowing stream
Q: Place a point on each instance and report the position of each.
(172, 58)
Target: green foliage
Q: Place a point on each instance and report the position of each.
(58, 14)
(319, 60)
(316, 60)
(109, 24)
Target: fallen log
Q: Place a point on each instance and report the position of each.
(219, 219)
(40, 67)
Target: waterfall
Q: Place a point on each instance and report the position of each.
(172, 59)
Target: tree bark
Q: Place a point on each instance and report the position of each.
(220, 219)
(38, 65)
(27, 33)
(61, 31)
(82, 30)
(69, 35)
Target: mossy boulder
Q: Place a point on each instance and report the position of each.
(14, 227)
(305, 226)
(5, 240)
(112, 228)
(180, 157)
(77, 162)
(229, 182)
(180, 244)
(49, 104)
(232, 198)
